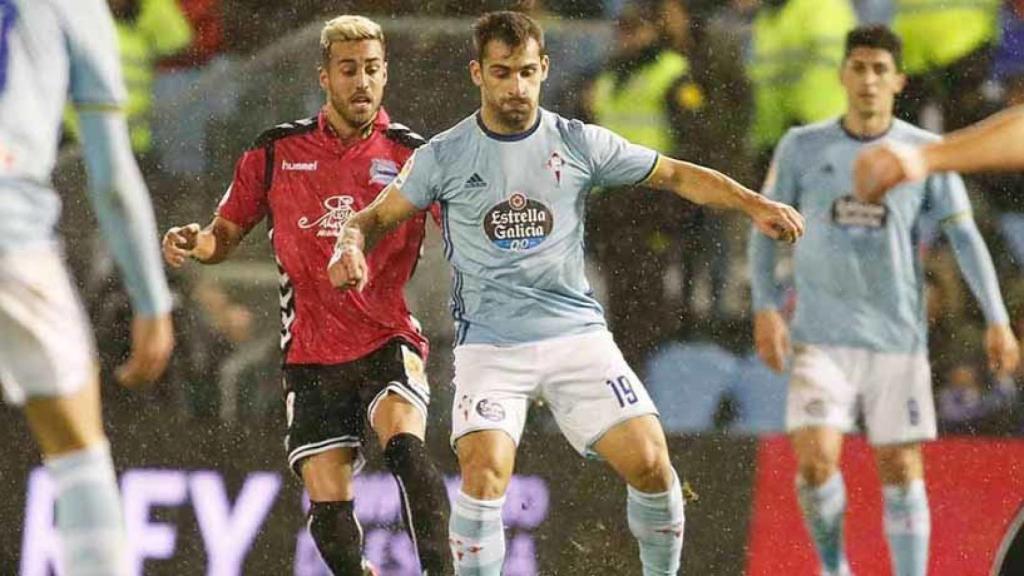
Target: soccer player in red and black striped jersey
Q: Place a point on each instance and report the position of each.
(348, 356)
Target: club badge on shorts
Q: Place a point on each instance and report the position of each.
(490, 410)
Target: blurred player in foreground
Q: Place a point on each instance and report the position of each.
(859, 334)
(50, 51)
(350, 358)
(511, 180)
(996, 143)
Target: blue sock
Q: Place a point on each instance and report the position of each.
(907, 527)
(657, 521)
(89, 513)
(824, 508)
(477, 536)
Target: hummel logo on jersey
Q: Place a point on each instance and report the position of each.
(475, 181)
(298, 166)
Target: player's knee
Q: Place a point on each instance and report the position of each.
(816, 470)
(651, 471)
(484, 478)
(899, 466)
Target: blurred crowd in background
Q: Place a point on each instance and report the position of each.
(716, 82)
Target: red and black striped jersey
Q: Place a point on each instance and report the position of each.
(307, 182)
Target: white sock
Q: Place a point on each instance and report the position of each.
(657, 521)
(477, 536)
(89, 513)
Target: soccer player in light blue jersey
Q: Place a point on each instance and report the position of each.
(859, 336)
(512, 181)
(51, 50)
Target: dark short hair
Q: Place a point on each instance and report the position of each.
(876, 36)
(512, 28)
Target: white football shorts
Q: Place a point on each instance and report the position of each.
(894, 390)
(582, 378)
(46, 345)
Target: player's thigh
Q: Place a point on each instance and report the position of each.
(493, 389)
(46, 347)
(821, 394)
(899, 464)
(899, 405)
(636, 449)
(397, 393)
(63, 424)
(590, 388)
(328, 475)
(323, 414)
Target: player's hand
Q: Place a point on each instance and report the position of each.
(1001, 347)
(879, 168)
(771, 336)
(347, 268)
(776, 220)
(152, 342)
(179, 243)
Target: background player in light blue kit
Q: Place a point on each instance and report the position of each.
(512, 182)
(859, 332)
(48, 50)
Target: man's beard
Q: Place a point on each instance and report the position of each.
(355, 120)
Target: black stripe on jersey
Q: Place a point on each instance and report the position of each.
(404, 135)
(285, 130)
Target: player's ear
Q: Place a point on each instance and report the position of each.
(901, 82)
(545, 64)
(384, 74)
(476, 72)
(324, 80)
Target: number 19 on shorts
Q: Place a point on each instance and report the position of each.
(623, 390)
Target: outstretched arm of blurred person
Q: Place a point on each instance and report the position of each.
(210, 245)
(125, 213)
(771, 334)
(347, 268)
(977, 269)
(996, 143)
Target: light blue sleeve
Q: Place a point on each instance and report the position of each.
(121, 201)
(780, 185)
(615, 161)
(91, 38)
(419, 177)
(946, 197)
(976, 266)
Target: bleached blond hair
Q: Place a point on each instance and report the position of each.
(347, 28)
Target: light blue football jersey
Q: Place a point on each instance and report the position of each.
(858, 271)
(50, 50)
(512, 219)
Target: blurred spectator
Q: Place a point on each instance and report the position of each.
(796, 48)
(180, 113)
(146, 31)
(946, 56)
(647, 94)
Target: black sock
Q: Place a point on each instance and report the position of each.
(338, 536)
(424, 501)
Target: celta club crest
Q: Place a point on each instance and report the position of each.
(339, 210)
(555, 164)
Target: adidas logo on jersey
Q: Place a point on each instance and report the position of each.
(475, 181)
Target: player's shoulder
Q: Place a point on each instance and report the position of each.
(801, 140)
(451, 145)
(403, 135)
(911, 134)
(286, 130)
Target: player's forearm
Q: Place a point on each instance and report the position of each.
(764, 291)
(977, 268)
(996, 143)
(123, 208)
(708, 187)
